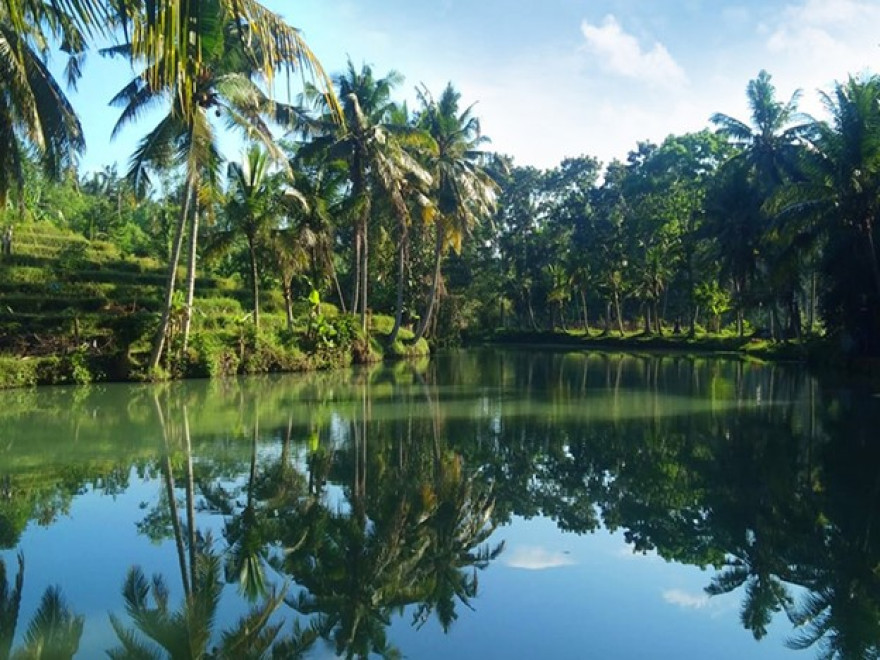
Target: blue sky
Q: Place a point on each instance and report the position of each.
(557, 78)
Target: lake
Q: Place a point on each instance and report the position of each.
(487, 503)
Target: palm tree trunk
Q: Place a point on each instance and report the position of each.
(586, 314)
(774, 322)
(172, 502)
(531, 309)
(288, 301)
(191, 272)
(872, 255)
(812, 297)
(617, 312)
(190, 501)
(162, 330)
(365, 259)
(328, 258)
(356, 286)
(365, 253)
(255, 284)
(432, 296)
(401, 271)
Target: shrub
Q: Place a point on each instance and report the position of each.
(78, 365)
(17, 372)
(208, 356)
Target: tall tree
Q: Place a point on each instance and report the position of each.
(841, 199)
(370, 144)
(464, 192)
(770, 145)
(225, 49)
(34, 111)
(253, 208)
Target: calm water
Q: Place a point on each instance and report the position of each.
(486, 504)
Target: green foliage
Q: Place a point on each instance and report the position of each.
(208, 356)
(80, 371)
(72, 257)
(265, 352)
(16, 372)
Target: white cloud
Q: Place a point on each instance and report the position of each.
(537, 558)
(621, 54)
(686, 600)
(824, 40)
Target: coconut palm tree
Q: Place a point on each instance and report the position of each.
(186, 633)
(10, 602)
(841, 199)
(463, 192)
(227, 49)
(770, 142)
(770, 146)
(34, 111)
(305, 244)
(371, 145)
(254, 206)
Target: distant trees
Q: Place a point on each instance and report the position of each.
(751, 224)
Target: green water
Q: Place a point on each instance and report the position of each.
(485, 504)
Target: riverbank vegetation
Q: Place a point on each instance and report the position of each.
(353, 226)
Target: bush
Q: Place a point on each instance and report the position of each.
(78, 365)
(208, 357)
(27, 372)
(17, 372)
(264, 353)
(381, 324)
(404, 348)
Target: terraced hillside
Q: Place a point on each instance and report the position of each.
(60, 292)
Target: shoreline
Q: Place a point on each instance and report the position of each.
(81, 368)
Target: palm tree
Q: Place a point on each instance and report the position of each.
(370, 145)
(464, 192)
(34, 111)
(842, 193)
(10, 602)
(254, 205)
(226, 47)
(770, 147)
(311, 228)
(769, 144)
(458, 526)
(186, 633)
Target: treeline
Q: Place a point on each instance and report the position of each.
(345, 195)
(764, 225)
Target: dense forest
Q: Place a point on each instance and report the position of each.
(355, 224)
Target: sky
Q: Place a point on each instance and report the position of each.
(559, 78)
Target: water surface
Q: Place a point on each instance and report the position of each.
(488, 503)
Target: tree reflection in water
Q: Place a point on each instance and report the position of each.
(54, 631)
(341, 502)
